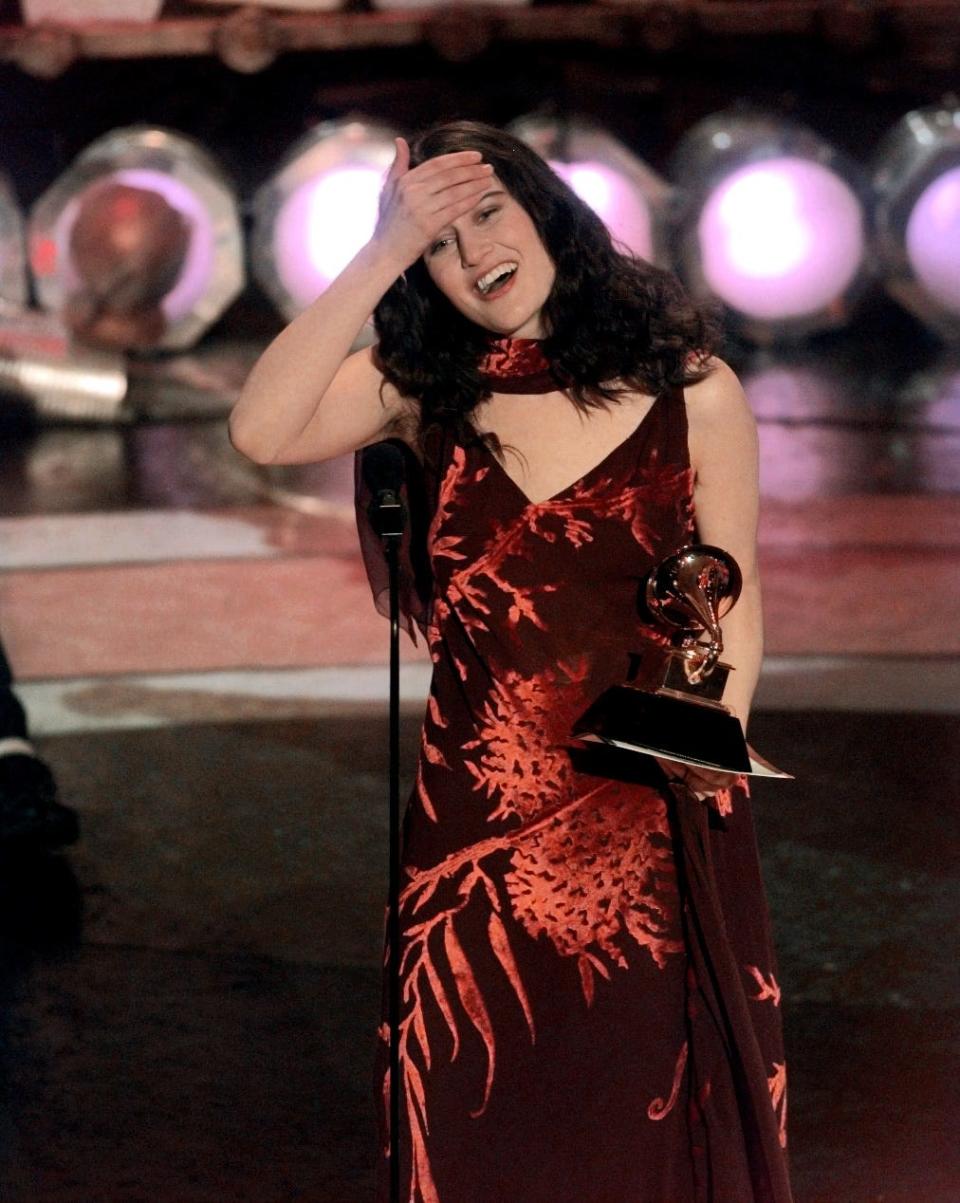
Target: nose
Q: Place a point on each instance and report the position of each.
(474, 244)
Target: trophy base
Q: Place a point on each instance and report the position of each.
(656, 670)
(656, 723)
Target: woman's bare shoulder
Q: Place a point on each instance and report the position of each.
(720, 422)
(717, 406)
(719, 394)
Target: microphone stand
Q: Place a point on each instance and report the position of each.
(387, 516)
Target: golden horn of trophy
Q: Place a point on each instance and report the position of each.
(671, 703)
(693, 590)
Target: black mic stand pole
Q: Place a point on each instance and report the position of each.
(387, 516)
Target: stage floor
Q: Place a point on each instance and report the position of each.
(189, 997)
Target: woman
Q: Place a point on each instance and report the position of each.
(590, 1008)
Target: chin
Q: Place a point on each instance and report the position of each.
(526, 330)
(526, 326)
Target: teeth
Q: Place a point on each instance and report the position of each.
(485, 283)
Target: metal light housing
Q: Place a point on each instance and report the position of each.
(13, 267)
(916, 177)
(317, 210)
(774, 222)
(191, 181)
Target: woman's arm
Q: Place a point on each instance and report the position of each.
(305, 399)
(724, 459)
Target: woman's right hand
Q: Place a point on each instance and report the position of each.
(307, 398)
(416, 205)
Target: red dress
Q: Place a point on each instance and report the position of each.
(590, 1011)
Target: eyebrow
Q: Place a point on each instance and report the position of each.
(492, 192)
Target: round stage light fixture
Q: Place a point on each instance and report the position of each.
(13, 268)
(630, 198)
(169, 228)
(774, 223)
(916, 176)
(317, 210)
(387, 5)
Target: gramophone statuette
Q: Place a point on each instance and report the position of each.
(671, 703)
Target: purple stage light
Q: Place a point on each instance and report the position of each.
(317, 210)
(322, 226)
(615, 200)
(781, 238)
(933, 239)
(774, 223)
(631, 199)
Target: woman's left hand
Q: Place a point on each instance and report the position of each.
(703, 783)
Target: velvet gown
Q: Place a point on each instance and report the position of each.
(590, 1009)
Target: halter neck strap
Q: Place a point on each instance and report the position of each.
(517, 365)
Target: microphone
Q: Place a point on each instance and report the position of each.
(383, 473)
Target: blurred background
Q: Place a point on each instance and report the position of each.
(192, 734)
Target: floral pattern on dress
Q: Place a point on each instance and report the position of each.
(512, 851)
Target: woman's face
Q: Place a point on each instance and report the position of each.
(491, 265)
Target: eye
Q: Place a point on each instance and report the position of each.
(485, 213)
(439, 245)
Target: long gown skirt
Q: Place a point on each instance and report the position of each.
(590, 1010)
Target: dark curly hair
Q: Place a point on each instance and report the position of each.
(610, 317)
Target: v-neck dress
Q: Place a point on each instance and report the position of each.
(590, 1009)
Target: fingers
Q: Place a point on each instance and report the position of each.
(712, 779)
(460, 158)
(446, 187)
(450, 202)
(433, 178)
(433, 203)
(673, 770)
(437, 184)
(430, 168)
(702, 782)
(417, 203)
(401, 161)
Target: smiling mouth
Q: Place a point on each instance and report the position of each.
(497, 279)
